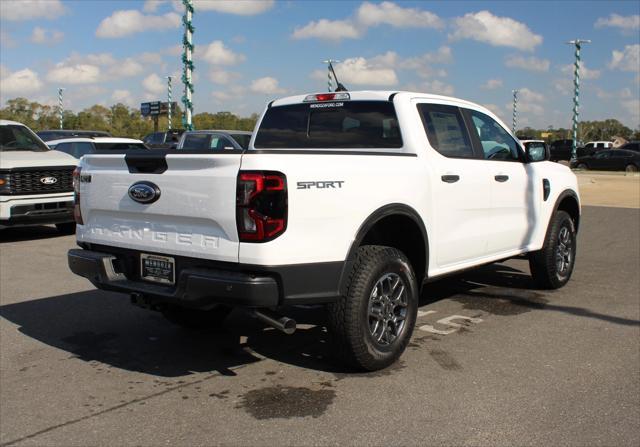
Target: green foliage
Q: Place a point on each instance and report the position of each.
(120, 120)
(605, 130)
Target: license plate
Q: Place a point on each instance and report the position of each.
(158, 268)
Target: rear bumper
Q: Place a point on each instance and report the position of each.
(203, 285)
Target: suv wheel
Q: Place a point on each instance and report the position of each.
(372, 324)
(196, 319)
(631, 168)
(582, 166)
(552, 266)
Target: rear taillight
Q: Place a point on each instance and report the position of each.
(77, 215)
(261, 205)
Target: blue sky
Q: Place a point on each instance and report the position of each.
(249, 52)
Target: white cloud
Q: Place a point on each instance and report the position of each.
(216, 53)
(527, 95)
(126, 22)
(374, 14)
(333, 30)
(585, 73)
(563, 86)
(624, 93)
(222, 77)
(529, 101)
(19, 82)
(243, 8)
(124, 97)
(151, 58)
(633, 108)
(624, 23)
(495, 109)
(528, 63)
(368, 15)
(266, 85)
(154, 84)
(127, 67)
(492, 84)
(63, 73)
(221, 96)
(151, 6)
(442, 55)
(31, 9)
(42, 36)
(360, 71)
(497, 31)
(627, 59)
(438, 87)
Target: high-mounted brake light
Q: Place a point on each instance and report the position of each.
(261, 205)
(338, 96)
(77, 214)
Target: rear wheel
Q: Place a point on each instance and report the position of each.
(372, 324)
(551, 267)
(66, 228)
(196, 319)
(582, 166)
(631, 168)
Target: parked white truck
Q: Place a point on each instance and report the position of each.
(35, 182)
(355, 200)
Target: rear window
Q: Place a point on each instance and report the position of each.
(119, 146)
(330, 125)
(242, 140)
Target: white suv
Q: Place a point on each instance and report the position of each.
(356, 200)
(35, 182)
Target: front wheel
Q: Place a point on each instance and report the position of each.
(631, 168)
(582, 166)
(372, 324)
(551, 267)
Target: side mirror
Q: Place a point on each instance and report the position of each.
(537, 152)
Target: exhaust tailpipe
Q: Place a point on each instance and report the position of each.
(284, 324)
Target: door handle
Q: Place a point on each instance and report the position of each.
(501, 178)
(450, 178)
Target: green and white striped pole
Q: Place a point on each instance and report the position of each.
(60, 110)
(187, 61)
(515, 111)
(329, 62)
(576, 95)
(169, 105)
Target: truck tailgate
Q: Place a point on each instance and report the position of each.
(194, 215)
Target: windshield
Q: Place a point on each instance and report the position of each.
(330, 125)
(119, 146)
(242, 139)
(20, 138)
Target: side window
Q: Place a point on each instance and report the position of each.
(80, 149)
(496, 142)
(64, 147)
(446, 131)
(602, 155)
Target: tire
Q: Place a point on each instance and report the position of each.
(364, 325)
(66, 228)
(196, 319)
(552, 266)
(631, 168)
(582, 166)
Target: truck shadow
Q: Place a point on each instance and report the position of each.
(19, 234)
(105, 330)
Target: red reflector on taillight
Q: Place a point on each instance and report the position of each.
(261, 206)
(77, 214)
(325, 97)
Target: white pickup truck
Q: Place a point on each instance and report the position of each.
(355, 200)
(35, 182)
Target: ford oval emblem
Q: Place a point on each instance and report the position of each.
(144, 192)
(48, 180)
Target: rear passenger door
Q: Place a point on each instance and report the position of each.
(513, 187)
(460, 194)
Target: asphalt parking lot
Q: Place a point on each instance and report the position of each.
(494, 361)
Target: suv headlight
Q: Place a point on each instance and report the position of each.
(4, 182)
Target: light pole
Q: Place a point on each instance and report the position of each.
(169, 105)
(576, 93)
(515, 110)
(329, 63)
(187, 60)
(60, 90)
